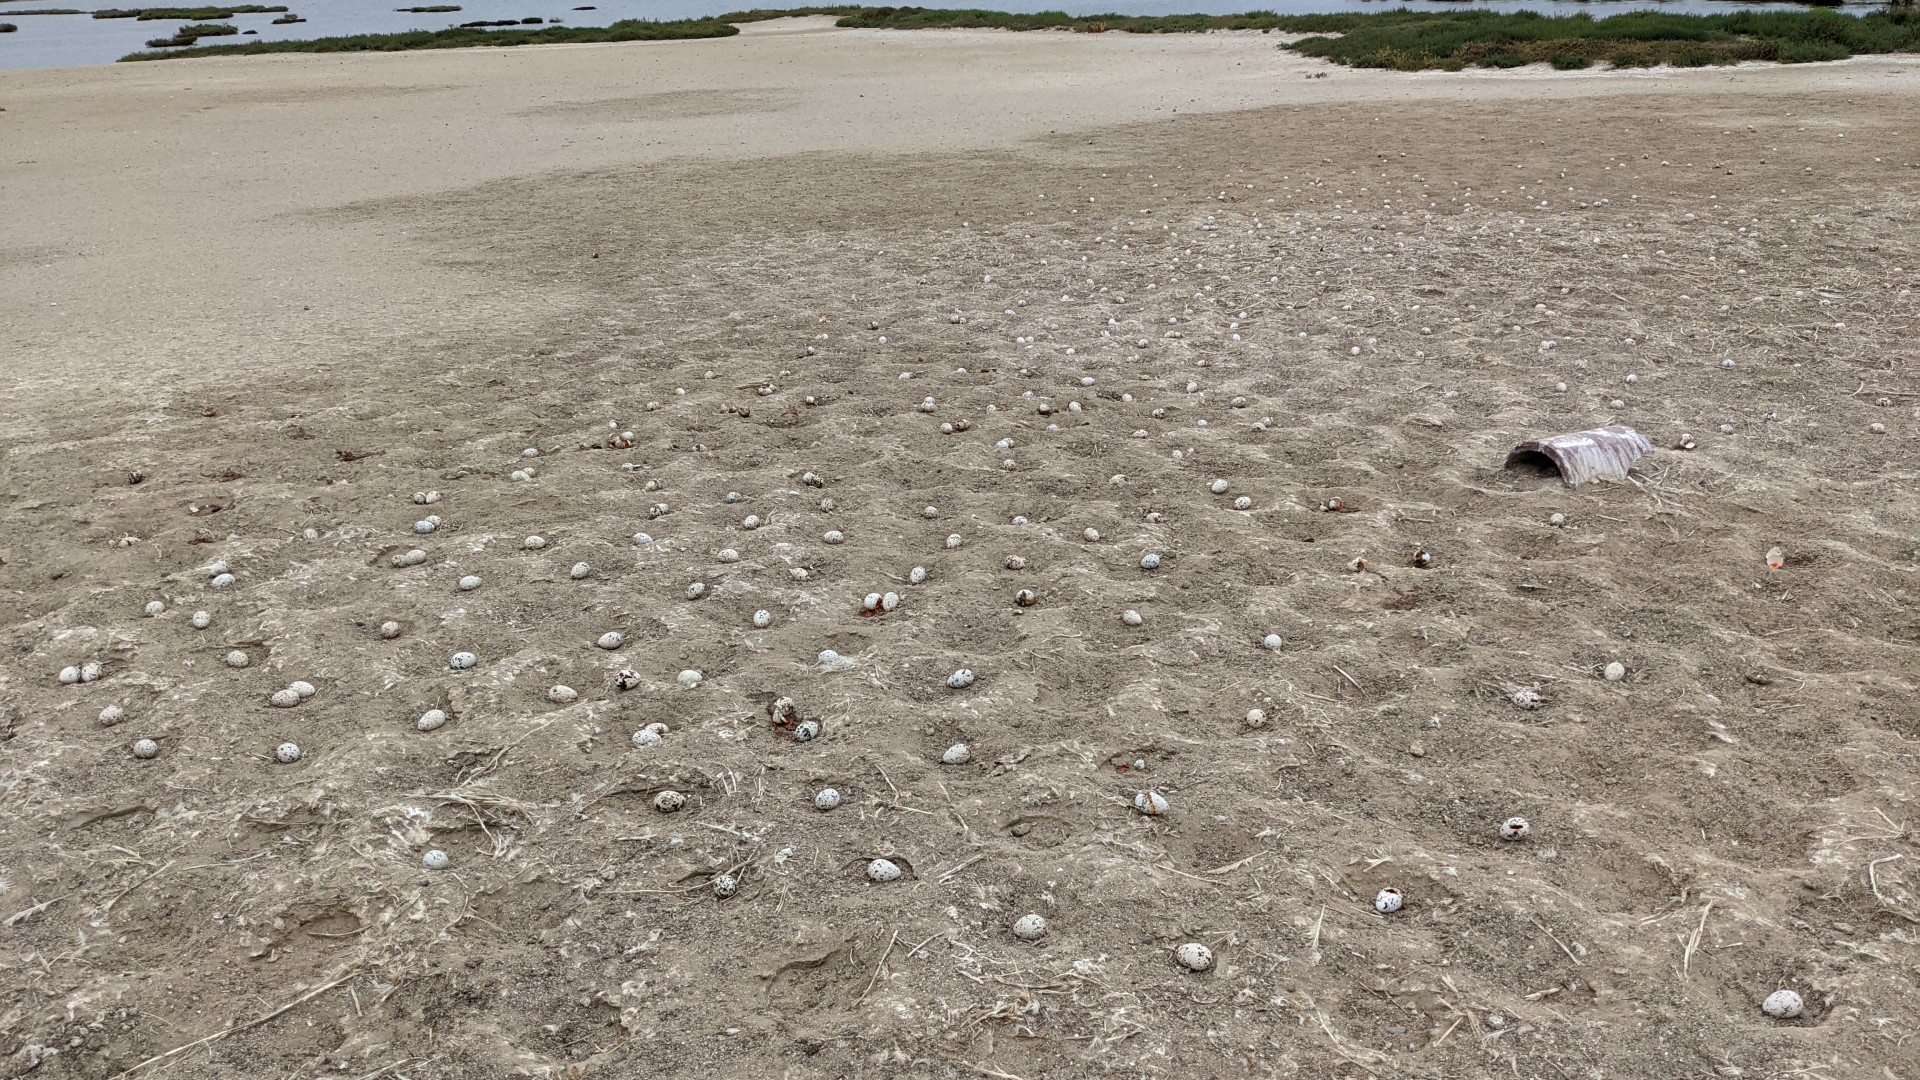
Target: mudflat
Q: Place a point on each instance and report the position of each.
(1018, 311)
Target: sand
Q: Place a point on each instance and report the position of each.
(255, 305)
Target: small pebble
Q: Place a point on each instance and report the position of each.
(1388, 901)
(883, 870)
(1194, 956)
(431, 719)
(1030, 927)
(1272, 641)
(826, 799)
(1092, 535)
(287, 753)
(560, 694)
(957, 754)
(146, 749)
(835, 536)
(689, 679)
(727, 555)
(1131, 617)
(434, 860)
(1150, 803)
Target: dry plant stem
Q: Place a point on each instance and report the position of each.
(884, 953)
(1557, 941)
(24, 914)
(238, 1028)
(108, 906)
(1693, 940)
(1873, 882)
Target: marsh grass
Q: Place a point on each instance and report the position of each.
(1399, 39)
(153, 14)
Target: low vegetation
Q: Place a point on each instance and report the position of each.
(187, 35)
(8, 28)
(153, 14)
(430, 9)
(1400, 39)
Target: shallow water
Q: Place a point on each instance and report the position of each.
(67, 40)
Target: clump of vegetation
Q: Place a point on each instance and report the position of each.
(8, 28)
(153, 14)
(463, 38)
(1450, 40)
(48, 11)
(191, 33)
(287, 19)
(1399, 39)
(430, 9)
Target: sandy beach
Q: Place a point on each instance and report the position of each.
(1019, 310)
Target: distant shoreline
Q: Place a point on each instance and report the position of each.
(1399, 40)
